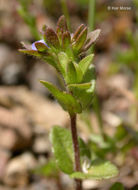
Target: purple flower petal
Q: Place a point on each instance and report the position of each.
(33, 44)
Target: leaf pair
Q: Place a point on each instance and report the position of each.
(84, 91)
(64, 154)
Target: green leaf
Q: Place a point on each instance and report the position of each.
(63, 149)
(85, 96)
(64, 60)
(99, 169)
(67, 101)
(30, 52)
(83, 93)
(85, 63)
(71, 76)
(79, 73)
(81, 86)
(117, 186)
(74, 73)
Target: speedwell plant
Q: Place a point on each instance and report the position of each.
(67, 53)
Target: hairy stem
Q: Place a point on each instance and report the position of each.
(76, 150)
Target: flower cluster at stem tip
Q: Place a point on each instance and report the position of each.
(67, 53)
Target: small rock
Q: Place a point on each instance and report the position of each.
(17, 171)
(15, 131)
(41, 145)
(4, 157)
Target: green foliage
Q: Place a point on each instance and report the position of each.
(99, 169)
(63, 52)
(85, 63)
(117, 186)
(67, 101)
(123, 140)
(84, 91)
(63, 149)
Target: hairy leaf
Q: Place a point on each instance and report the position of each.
(63, 149)
(99, 169)
(63, 60)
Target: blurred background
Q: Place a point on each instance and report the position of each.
(28, 111)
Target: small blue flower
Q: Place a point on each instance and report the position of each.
(33, 44)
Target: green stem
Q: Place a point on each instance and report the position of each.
(91, 22)
(91, 14)
(65, 12)
(76, 149)
(91, 17)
